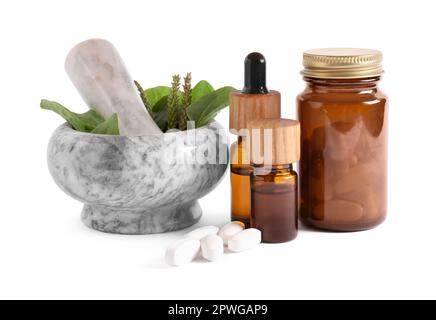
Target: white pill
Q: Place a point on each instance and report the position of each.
(212, 247)
(245, 240)
(202, 232)
(182, 252)
(229, 230)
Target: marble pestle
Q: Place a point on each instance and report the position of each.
(100, 76)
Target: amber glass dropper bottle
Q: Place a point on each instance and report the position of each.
(255, 101)
(275, 146)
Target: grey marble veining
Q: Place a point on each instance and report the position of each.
(138, 185)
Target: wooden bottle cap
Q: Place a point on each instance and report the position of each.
(245, 107)
(274, 141)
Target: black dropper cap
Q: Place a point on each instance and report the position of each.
(255, 74)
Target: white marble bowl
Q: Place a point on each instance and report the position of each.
(139, 185)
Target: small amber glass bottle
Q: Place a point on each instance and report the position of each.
(240, 171)
(344, 132)
(275, 145)
(255, 101)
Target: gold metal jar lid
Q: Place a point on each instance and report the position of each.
(342, 63)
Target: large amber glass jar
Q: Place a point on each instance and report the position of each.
(344, 118)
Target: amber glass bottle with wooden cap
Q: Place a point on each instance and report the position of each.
(275, 146)
(253, 102)
(344, 134)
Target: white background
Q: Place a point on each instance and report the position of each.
(46, 252)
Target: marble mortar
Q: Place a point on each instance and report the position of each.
(139, 185)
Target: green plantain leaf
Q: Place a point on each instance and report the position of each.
(85, 122)
(161, 119)
(154, 95)
(161, 105)
(109, 126)
(207, 107)
(92, 117)
(201, 88)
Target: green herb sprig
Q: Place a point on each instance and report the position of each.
(199, 104)
(144, 97)
(173, 103)
(186, 102)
